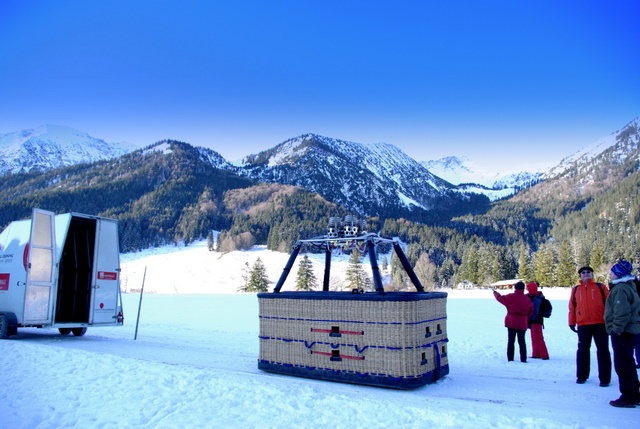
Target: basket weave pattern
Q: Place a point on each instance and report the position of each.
(396, 339)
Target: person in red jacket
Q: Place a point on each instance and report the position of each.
(586, 309)
(519, 309)
(536, 324)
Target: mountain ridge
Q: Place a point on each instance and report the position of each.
(371, 179)
(52, 146)
(346, 171)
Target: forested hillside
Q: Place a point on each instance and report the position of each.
(587, 213)
(165, 193)
(172, 192)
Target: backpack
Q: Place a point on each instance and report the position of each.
(545, 307)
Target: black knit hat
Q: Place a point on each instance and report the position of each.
(586, 267)
(518, 286)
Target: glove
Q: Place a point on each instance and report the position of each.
(573, 328)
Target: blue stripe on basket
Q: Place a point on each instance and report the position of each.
(351, 321)
(355, 346)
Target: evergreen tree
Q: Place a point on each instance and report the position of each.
(385, 263)
(469, 267)
(493, 264)
(445, 273)
(356, 278)
(258, 280)
(580, 251)
(596, 258)
(306, 279)
(399, 277)
(524, 264)
(543, 262)
(566, 270)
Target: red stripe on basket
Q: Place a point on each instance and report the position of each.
(340, 332)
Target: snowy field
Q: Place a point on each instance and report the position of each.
(194, 365)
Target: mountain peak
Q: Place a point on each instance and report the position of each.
(368, 178)
(51, 146)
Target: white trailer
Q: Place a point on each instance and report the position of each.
(60, 272)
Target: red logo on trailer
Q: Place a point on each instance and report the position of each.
(4, 281)
(106, 275)
(25, 256)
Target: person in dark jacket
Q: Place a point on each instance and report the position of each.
(637, 282)
(586, 310)
(519, 309)
(622, 321)
(536, 324)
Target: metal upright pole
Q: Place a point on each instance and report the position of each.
(407, 267)
(287, 268)
(144, 276)
(327, 269)
(377, 278)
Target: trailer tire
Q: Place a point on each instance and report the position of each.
(64, 331)
(4, 327)
(78, 332)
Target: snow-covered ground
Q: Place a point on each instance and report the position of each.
(194, 365)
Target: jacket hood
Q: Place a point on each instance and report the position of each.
(532, 288)
(629, 278)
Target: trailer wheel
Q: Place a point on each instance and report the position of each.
(78, 332)
(4, 327)
(64, 331)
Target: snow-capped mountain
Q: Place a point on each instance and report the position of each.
(614, 148)
(469, 177)
(52, 146)
(592, 171)
(369, 178)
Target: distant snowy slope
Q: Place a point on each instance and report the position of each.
(52, 146)
(471, 178)
(457, 170)
(613, 148)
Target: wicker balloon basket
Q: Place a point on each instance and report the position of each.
(388, 339)
(396, 340)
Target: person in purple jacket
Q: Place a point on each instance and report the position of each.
(519, 309)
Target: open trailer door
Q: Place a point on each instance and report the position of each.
(105, 305)
(40, 268)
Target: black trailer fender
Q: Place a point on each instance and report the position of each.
(8, 325)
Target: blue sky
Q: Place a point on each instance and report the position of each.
(503, 82)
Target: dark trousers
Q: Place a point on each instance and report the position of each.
(599, 335)
(625, 366)
(522, 344)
